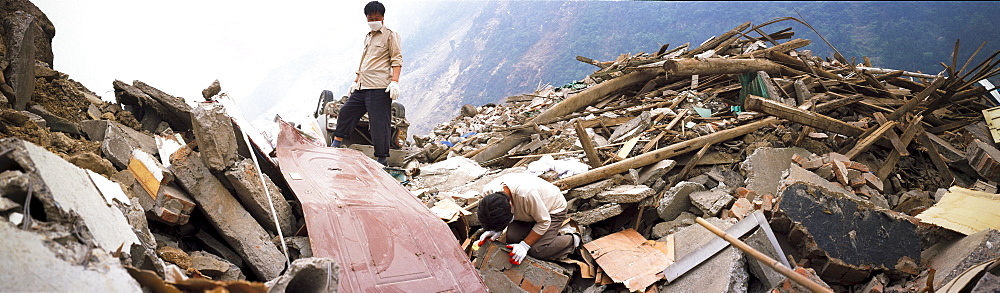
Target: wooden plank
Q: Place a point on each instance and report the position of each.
(867, 141)
(652, 143)
(714, 66)
(144, 176)
(912, 103)
(606, 121)
(837, 103)
(965, 211)
(937, 160)
(755, 103)
(690, 165)
(897, 144)
(588, 145)
(888, 165)
(660, 154)
(627, 148)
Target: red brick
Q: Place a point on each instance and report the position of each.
(858, 181)
(741, 208)
(743, 192)
(812, 164)
(767, 203)
(840, 172)
(873, 181)
(858, 166)
(798, 159)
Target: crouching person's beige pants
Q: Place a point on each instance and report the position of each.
(551, 246)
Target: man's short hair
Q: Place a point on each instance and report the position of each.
(494, 212)
(374, 7)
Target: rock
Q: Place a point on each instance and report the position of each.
(624, 194)
(771, 278)
(232, 221)
(590, 190)
(649, 174)
(450, 173)
(211, 90)
(663, 229)
(216, 138)
(55, 123)
(245, 180)
(469, 111)
(723, 272)
(214, 266)
(765, 165)
(93, 162)
(175, 256)
(954, 257)
(846, 238)
(711, 202)
(598, 214)
(677, 200)
(313, 274)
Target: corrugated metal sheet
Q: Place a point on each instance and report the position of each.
(383, 237)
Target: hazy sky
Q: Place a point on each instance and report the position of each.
(181, 46)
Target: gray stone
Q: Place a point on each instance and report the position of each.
(211, 90)
(649, 174)
(233, 222)
(705, 181)
(216, 138)
(666, 228)
(176, 111)
(590, 190)
(215, 267)
(469, 111)
(849, 238)
(22, 33)
(711, 202)
(55, 123)
(723, 272)
(451, 173)
(952, 258)
(765, 165)
(771, 278)
(29, 266)
(245, 180)
(68, 193)
(731, 178)
(598, 214)
(624, 194)
(631, 128)
(798, 174)
(314, 274)
(989, 283)
(677, 200)
(7, 204)
(36, 118)
(215, 247)
(118, 141)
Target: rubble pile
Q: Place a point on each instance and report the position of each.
(841, 156)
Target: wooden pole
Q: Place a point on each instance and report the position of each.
(588, 145)
(867, 141)
(763, 258)
(805, 117)
(783, 47)
(714, 66)
(660, 154)
(912, 103)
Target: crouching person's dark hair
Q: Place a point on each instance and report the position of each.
(494, 212)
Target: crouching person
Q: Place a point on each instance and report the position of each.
(532, 210)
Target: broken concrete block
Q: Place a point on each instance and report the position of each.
(215, 247)
(711, 202)
(631, 128)
(590, 190)
(119, 141)
(30, 266)
(728, 177)
(846, 239)
(987, 283)
(798, 174)
(54, 122)
(663, 229)
(20, 40)
(211, 90)
(247, 182)
(65, 190)
(177, 111)
(172, 205)
(532, 275)
(624, 194)
(655, 171)
(38, 120)
(175, 256)
(771, 278)
(952, 258)
(765, 165)
(598, 214)
(216, 138)
(233, 222)
(985, 159)
(724, 272)
(215, 267)
(450, 173)
(93, 162)
(314, 274)
(677, 200)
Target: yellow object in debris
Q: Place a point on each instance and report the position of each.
(992, 116)
(965, 211)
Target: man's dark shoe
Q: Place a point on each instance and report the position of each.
(383, 160)
(337, 143)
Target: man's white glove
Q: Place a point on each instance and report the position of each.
(490, 235)
(393, 90)
(518, 252)
(354, 86)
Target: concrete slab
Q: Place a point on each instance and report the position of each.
(314, 274)
(233, 222)
(29, 266)
(663, 229)
(765, 165)
(598, 214)
(245, 180)
(54, 122)
(590, 190)
(532, 275)
(118, 141)
(724, 272)
(216, 138)
(624, 194)
(450, 173)
(952, 258)
(177, 111)
(768, 276)
(677, 200)
(215, 266)
(66, 190)
(711, 202)
(650, 173)
(846, 239)
(20, 41)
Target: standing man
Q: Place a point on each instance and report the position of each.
(532, 210)
(375, 84)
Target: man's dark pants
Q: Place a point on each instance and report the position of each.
(377, 104)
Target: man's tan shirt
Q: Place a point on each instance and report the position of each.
(380, 55)
(534, 199)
